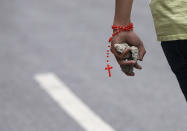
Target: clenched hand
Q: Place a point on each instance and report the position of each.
(132, 39)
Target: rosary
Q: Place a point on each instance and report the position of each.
(118, 30)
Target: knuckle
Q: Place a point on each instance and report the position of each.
(122, 63)
(126, 73)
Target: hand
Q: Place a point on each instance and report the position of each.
(133, 40)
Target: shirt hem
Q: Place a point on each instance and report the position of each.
(172, 37)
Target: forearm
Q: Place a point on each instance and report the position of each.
(122, 12)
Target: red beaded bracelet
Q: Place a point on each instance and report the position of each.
(118, 29)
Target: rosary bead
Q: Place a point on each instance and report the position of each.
(110, 39)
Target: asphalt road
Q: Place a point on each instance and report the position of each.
(69, 38)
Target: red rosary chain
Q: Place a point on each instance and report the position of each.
(118, 30)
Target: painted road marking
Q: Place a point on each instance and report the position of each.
(69, 102)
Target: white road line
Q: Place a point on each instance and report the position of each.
(68, 101)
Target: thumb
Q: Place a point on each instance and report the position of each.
(142, 50)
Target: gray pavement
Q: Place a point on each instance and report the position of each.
(69, 38)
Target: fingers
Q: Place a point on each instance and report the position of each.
(125, 52)
(129, 62)
(115, 53)
(137, 66)
(130, 74)
(142, 50)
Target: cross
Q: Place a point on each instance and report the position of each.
(108, 68)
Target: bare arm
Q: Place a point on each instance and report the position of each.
(122, 12)
(122, 17)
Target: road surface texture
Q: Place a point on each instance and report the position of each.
(69, 38)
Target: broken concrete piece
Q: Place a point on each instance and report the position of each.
(132, 55)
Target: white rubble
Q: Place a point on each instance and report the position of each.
(132, 55)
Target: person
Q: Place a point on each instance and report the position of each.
(170, 21)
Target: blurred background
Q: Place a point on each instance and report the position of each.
(69, 40)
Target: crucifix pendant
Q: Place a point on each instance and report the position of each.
(108, 68)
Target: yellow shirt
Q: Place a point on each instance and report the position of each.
(170, 19)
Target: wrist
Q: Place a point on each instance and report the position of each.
(120, 28)
(121, 22)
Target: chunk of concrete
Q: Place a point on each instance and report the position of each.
(133, 54)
